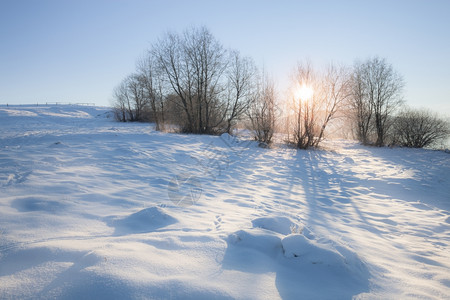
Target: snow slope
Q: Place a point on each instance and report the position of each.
(91, 208)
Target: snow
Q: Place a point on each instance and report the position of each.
(91, 208)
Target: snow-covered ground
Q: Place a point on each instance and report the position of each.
(91, 208)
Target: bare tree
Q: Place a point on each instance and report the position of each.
(193, 64)
(120, 104)
(151, 80)
(123, 103)
(378, 94)
(206, 56)
(318, 96)
(261, 110)
(306, 91)
(137, 94)
(419, 128)
(241, 76)
(130, 99)
(336, 88)
(168, 55)
(360, 105)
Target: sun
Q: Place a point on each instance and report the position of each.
(303, 92)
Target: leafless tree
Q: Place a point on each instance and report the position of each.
(193, 64)
(241, 78)
(311, 114)
(378, 93)
(137, 94)
(419, 128)
(361, 108)
(261, 111)
(151, 80)
(123, 104)
(305, 96)
(119, 104)
(130, 99)
(208, 60)
(168, 55)
(336, 88)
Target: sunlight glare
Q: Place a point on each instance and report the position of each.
(303, 92)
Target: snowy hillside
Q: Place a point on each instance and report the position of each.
(94, 209)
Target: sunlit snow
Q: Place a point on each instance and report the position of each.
(95, 209)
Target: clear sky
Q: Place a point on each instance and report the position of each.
(78, 51)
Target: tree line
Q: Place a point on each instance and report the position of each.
(190, 81)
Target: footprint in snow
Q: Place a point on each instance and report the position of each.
(218, 222)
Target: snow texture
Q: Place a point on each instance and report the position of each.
(95, 209)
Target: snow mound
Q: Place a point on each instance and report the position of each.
(281, 225)
(256, 239)
(349, 160)
(297, 245)
(229, 140)
(227, 137)
(304, 268)
(146, 220)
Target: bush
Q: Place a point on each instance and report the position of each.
(419, 128)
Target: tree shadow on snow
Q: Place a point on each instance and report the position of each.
(427, 177)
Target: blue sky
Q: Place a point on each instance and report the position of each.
(78, 51)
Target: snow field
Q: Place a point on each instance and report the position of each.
(91, 208)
